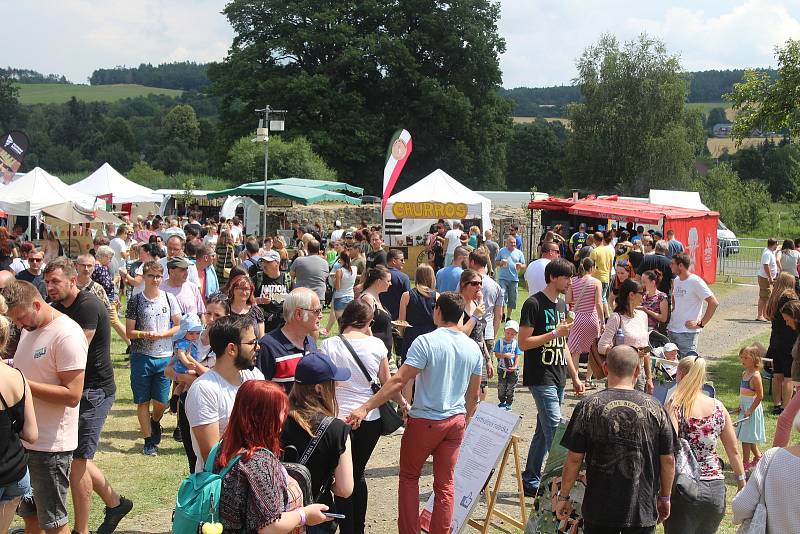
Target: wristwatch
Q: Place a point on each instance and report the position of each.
(562, 497)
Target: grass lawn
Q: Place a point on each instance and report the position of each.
(57, 93)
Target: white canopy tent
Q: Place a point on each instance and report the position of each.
(107, 181)
(438, 195)
(39, 189)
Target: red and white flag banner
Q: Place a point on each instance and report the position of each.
(396, 157)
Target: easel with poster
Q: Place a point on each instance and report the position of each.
(487, 440)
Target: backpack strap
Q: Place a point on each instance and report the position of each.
(312, 445)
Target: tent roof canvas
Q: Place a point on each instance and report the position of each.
(438, 186)
(39, 189)
(107, 181)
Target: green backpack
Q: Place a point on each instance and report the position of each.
(198, 497)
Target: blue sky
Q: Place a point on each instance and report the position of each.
(73, 37)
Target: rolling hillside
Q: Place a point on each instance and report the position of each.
(52, 93)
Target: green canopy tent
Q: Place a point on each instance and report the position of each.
(318, 184)
(296, 193)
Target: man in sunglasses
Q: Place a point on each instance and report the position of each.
(33, 272)
(210, 399)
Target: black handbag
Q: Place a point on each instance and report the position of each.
(390, 419)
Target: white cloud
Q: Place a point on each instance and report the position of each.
(544, 37)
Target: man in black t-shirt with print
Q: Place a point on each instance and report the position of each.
(99, 389)
(543, 336)
(628, 442)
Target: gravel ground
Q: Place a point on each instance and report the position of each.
(732, 324)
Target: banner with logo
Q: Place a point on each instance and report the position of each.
(396, 157)
(13, 149)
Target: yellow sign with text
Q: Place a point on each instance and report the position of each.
(429, 210)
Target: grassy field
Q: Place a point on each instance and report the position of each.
(51, 93)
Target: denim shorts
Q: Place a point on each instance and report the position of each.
(20, 488)
(147, 379)
(50, 481)
(340, 303)
(95, 405)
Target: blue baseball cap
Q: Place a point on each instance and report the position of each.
(316, 368)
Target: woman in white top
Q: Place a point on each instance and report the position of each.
(775, 477)
(355, 322)
(788, 257)
(211, 236)
(633, 323)
(344, 278)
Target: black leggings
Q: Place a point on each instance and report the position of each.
(362, 443)
(186, 436)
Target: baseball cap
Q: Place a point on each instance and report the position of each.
(271, 255)
(177, 261)
(348, 235)
(669, 347)
(316, 367)
(338, 223)
(513, 325)
(658, 234)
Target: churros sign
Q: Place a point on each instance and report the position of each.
(429, 210)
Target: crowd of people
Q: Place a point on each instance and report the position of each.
(225, 330)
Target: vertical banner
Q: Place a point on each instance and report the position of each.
(13, 147)
(396, 157)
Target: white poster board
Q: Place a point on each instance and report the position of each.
(485, 439)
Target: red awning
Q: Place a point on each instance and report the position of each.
(619, 209)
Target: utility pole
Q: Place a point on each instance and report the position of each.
(262, 136)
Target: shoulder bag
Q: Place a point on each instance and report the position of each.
(687, 469)
(758, 523)
(390, 420)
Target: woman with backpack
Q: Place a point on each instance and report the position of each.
(321, 441)
(350, 394)
(257, 494)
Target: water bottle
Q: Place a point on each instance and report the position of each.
(619, 337)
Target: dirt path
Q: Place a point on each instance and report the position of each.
(731, 325)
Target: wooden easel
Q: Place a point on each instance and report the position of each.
(493, 491)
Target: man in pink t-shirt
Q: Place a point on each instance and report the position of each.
(51, 354)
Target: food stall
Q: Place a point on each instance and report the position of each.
(410, 213)
(696, 229)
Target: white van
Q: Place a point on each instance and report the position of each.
(727, 241)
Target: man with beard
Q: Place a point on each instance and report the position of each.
(210, 399)
(98, 395)
(52, 356)
(281, 349)
(628, 442)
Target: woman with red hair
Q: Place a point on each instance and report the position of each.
(256, 492)
(242, 299)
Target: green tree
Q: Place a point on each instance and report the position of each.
(716, 116)
(767, 104)
(9, 103)
(782, 172)
(287, 159)
(535, 155)
(180, 127)
(350, 73)
(741, 204)
(144, 174)
(630, 132)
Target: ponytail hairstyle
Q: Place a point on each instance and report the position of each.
(692, 370)
(585, 266)
(755, 351)
(653, 275)
(626, 289)
(378, 272)
(344, 259)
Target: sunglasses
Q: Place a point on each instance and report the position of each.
(475, 283)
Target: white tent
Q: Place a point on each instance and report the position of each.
(681, 199)
(435, 196)
(107, 181)
(39, 189)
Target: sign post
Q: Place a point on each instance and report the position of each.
(488, 437)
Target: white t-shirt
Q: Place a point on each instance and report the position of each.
(119, 246)
(211, 240)
(534, 275)
(354, 392)
(210, 400)
(236, 234)
(18, 265)
(42, 354)
(453, 240)
(336, 235)
(768, 258)
(689, 296)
